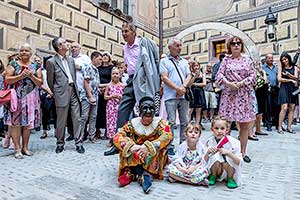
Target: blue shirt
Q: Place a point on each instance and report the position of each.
(167, 66)
(271, 74)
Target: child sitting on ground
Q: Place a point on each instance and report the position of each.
(223, 156)
(187, 165)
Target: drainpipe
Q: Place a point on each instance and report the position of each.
(160, 26)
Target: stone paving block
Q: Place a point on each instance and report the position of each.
(70, 175)
(62, 187)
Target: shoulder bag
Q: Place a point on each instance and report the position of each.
(189, 96)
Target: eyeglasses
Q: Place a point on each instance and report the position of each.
(235, 43)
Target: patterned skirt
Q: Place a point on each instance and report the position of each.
(27, 113)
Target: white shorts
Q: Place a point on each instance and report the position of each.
(211, 99)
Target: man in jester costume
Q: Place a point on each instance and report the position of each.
(142, 144)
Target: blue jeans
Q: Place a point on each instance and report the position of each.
(182, 105)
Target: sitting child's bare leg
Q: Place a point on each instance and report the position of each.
(216, 170)
(230, 172)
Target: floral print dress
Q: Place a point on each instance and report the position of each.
(112, 107)
(237, 105)
(186, 158)
(28, 110)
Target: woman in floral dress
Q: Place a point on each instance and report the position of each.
(25, 77)
(113, 94)
(237, 76)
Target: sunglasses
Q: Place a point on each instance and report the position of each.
(235, 43)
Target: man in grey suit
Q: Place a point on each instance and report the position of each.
(61, 77)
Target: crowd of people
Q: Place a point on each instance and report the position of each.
(137, 104)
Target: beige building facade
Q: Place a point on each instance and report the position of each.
(246, 16)
(92, 23)
(96, 24)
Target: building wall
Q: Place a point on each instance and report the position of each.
(39, 21)
(243, 15)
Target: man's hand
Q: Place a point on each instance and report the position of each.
(180, 91)
(92, 100)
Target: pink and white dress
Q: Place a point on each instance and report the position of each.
(112, 107)
(237, 105)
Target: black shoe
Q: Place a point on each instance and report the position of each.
(269, 128)
(80, 149)
(59, 149)
(70, 138)
(246, 159)
(43, 136)
(261, 133)
(146, 184)
(171, 152)
(112, 151)
(252, 138)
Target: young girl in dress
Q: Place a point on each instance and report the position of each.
(113, 94)
(223, 155)
(187, 165)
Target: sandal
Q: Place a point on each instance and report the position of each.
(291, 131)
(280, 132)
(27, 152)
(18, 155)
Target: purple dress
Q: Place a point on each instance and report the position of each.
(237, 105)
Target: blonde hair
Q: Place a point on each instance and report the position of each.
(218, 118)
(194, 126)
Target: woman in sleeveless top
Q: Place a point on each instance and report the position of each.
(199, 101)
(287, 77)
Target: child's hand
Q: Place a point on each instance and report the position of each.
(183, 170)
(213, 150)
(191, 169)
(224, 151)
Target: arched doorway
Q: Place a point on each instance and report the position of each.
(249, 44)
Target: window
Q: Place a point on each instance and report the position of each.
(252, 3)
(125, 6)
(114, 3)
(219, 47)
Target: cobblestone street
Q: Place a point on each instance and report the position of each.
(274, 173)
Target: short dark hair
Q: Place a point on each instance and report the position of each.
(1, 66)
(285, 55)
(228, 44)
(55, 43)
(45, 61)
(95, 54)
(221, 56)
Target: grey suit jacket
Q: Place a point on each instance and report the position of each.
(58, 80)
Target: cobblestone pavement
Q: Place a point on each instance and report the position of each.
(274, 173)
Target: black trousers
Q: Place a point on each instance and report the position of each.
(273, 108)
(48, 111)
(127, 104)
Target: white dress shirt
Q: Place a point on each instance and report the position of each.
(66, 67)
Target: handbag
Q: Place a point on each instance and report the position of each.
(189, 96)
(5, 96)
(259, 81)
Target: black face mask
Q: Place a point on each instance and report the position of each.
(147, 108)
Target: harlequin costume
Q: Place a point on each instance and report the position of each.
(155, 136)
